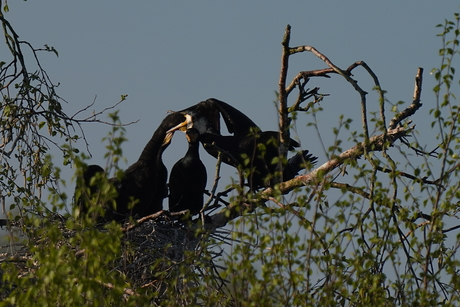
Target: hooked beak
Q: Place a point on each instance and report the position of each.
(183, 126)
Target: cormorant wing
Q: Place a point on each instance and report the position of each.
(235, 120)
(205, 117)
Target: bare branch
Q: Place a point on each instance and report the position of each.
(212, 194)
(410, 110)
(347, 75)
(404, 174)
(306, 76)
(284, 121)
(450, 229)
(346, 186)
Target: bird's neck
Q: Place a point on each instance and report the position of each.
(193, 151)
(153, 147)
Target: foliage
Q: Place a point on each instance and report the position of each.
(372, 226)
(364, 245)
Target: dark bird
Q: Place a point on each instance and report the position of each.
(298, 162)
(144, 182)
(187, 181)
(141, 188)
(86, 187)
(248, 147)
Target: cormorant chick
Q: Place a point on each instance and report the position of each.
(187, 181)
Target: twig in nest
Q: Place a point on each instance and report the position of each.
(110, 286)
(143, 220)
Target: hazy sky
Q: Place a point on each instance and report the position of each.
(168, 55)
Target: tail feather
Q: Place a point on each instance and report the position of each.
(297, 163)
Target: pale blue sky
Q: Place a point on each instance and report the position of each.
(169, 55)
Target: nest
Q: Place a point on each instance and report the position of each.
(155, 240)
(158, 255)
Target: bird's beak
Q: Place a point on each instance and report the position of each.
(167, 138)
(183, 126)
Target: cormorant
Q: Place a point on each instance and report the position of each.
(187, 181)
(249, 147)
(87, 188)
(298, 162)
(145, 181)
(257, 153)
(142, 187)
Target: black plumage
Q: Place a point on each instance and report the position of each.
(142, 187)
(144, 182)
(87, 187)
(297, 163)
(187, 181)
(248, 147)
(257, 153)
(205, 116)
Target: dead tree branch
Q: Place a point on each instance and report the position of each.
(380, 142)
(410, 110)
(284, 121)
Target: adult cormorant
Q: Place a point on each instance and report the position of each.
(297, 163)
(248, 147)
(142, 187)
(144, 183)
(257, 154)
(187, 181)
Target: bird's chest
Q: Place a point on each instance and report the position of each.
(190, 163)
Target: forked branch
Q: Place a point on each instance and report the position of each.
(381, 142)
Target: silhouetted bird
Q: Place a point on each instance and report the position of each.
(145, 181)
(249, 147)
(256, 153)
(187, 181)
(297, 163)
(87, 188)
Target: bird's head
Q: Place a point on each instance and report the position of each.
(192, 135)
(177, 121)
(204, 116)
